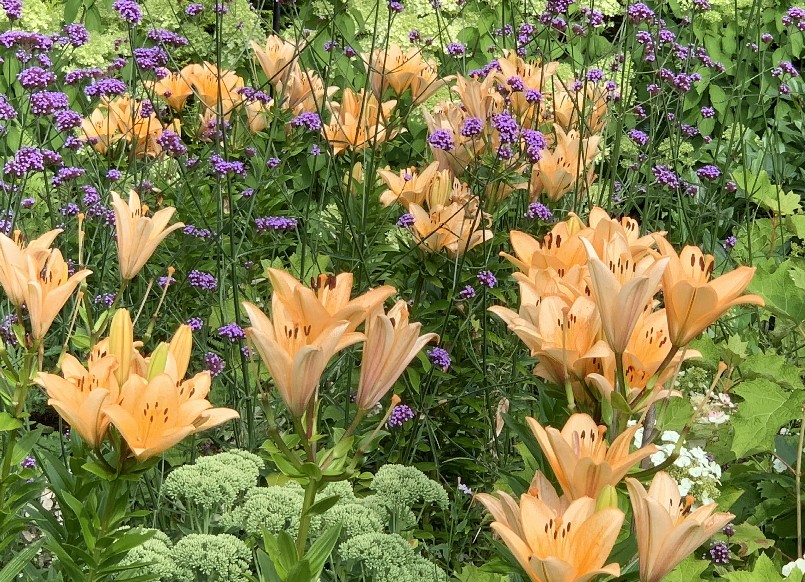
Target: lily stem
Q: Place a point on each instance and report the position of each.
(799, 482)
(311, 489)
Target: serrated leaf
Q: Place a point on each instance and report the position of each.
(765, 409)
(783, 297)
(691, 568)
(772, 367)
(749, 539)
(765, 570)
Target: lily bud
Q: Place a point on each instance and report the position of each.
(608, 498)
(121, 343)
(158, 361)
(180, 347)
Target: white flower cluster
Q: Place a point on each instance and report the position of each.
(789, 568)
(695, 472)
(715, 410)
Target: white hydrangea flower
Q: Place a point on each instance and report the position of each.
(780, 467)
(685, 486)
(799, 564)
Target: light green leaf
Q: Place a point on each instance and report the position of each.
(765, 570)
(749, 539)
(475, 574)
(772, 367)
(8, 422)
(783, 297)
(765, 409)
(691, 568)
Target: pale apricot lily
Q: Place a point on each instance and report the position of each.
(568, 165)
(391, 344)
(621, 291)
(447, 228)
(100, 130)
(560, 546)
(296, 351)
(14, 255)
(49, 287)
(151, 416)
(358, 121)
(277, 58)
(80, 395)
(692, 301)
(174, 89)
(137, 234)
(332, 292)
(668, 530)
(582, 460)
(407, 185)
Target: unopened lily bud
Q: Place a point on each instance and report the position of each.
(121, 343)
(608, 498)
(180, 347)
(158, 361)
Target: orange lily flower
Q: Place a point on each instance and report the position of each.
(391, 344)
(667, 530)
(100, 130)
(535, 75)
(332, 292)
(296, 350)
(622, 289)
(277, 59)
(447, 228)
(49, 288)
(567, 166)
(14, 262)
(554, 545)
(174, 89)
(407, 186)
(692, 301)
(401, 71)
(216, 88)
(137, 234)
(302, 91)
(580, 457)
(358, 121)
(79, 396)
(152, 417)
(584, 109)
(141, 131)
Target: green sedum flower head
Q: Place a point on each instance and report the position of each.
(217, 558)
(390, 558)
(405, 486)
(215, 481)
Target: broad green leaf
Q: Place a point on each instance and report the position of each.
(8, 422)
(772, 367)
(749, 539)
(691, 568)
(764, 571)
(765, 409)
(475, 574)
(783, 297)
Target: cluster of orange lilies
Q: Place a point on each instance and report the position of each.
(576, 117)
(559, 537)
(589, 308)
(309, 325)
(147, 399)
(446, 215)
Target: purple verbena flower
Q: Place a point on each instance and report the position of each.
(708, 172)
(308, 119)
(473, 126)
(487, 279)
(202, 280)
(48, 102)
(441, 139)
(105, 88)
(440, 358)
(537, 210)
(401, 414)
(215, 363)
(720, 553)
(194, 9)
(406, 220)
(232, 331)
(195, 323)
(468, 292)
(275, 223)
(129, 11)
(36, 78)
